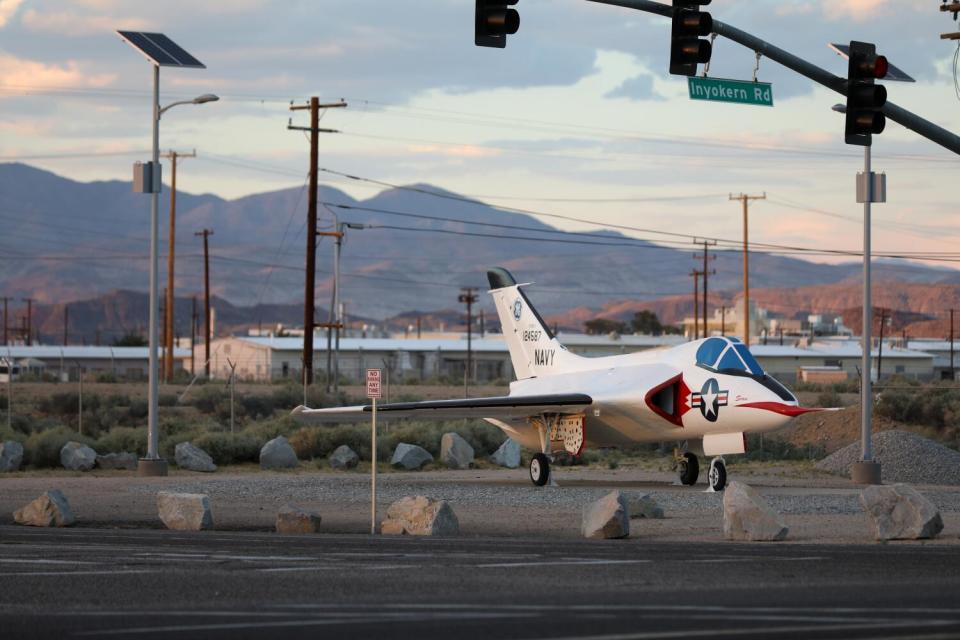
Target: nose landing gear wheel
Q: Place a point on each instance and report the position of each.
(540, 469)
(717, 475)
(689, 469)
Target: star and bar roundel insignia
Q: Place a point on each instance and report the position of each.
(517, 309)
(709, 399)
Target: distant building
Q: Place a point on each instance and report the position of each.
(68, 363)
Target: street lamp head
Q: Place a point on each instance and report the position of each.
(207, 97)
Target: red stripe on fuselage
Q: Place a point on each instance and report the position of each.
(779, 407)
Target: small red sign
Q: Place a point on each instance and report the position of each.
(373, 383)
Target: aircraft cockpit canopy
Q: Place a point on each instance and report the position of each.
(729, 356)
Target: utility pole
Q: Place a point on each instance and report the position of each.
(193, 334)
(66, 323)
(696, 304)
(206, 233)
(6, 336)
(28, 333)
(706, 273)
(745, 199)
(883, 321)
(333, 314)
(723, 320)
(314, 107)
(952, 369)
(468, 297)
(168, 320)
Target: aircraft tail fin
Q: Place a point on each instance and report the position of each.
(534, 350)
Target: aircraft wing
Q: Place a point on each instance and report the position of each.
(502, 407)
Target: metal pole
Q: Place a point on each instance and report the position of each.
(171, 248)
(373, 470)
(9, 388)
(953, 375)
(746, 274)
(867, 472)
(336, 305)
(153, 441)
(311, 261)
(80, 413)
(901, 116)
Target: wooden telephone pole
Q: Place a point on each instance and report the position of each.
(168, 320)
(706, 273)
(206, 233)
(696, 303)
(314, 107)
(745, 199)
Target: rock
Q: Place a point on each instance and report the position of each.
(192, 458)
(77, 457)
(607, 517)
(343, 457)
(455, 452)
(292, 519)
(11, 456)
(184, 511)
(508, 455)
(747, 516)
(410, 457)
(900, 512)
(641, 505)
(124, 460)
(278, 454)
(49, 510)
(420, 516)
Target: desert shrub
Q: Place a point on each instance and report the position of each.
(167, 400)
(270, 429)
(3, 402)
(138, 409)
(107, 377)
(483, 437)
(66, 403)
(8, 433)
(256, 406)
(229, 448)
(42, 449)
(116, 400)
(120, 439)
(934, 406)
(765, 449)
(207, 399)
(829, 399)
(319, 442)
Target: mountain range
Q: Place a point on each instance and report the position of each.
(67, 241)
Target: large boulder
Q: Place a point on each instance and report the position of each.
(125, 461)
(508, 455)
(11, 456)
(77, 457)
(343, 457)
(410, 457)
(608, 517)
(641, 505)
(292, 519)
(455, 452)
(192, 458)
(420, 516)
(278, 454)
(184, 511)
(49, 510)
(747, 516)
(900, 512)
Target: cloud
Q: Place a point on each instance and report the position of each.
(73, 25)
(20, 72)
(636, 88)
(7, 9)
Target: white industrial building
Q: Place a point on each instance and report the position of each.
(67, 363)
(412, 359)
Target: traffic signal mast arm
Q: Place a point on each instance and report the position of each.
(898, 114)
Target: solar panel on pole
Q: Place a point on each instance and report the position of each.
(160, 50)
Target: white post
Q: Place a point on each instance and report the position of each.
(153, 439)
(373, 470)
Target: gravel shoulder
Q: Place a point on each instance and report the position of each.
(489, 502)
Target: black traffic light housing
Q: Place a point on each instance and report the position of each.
(865, 99)
(687, 49)
(494, 21)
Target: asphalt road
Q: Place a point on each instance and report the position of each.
(87, 582)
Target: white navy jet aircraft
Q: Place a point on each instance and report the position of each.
(711, 391)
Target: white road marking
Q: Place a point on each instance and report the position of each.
(42, 561)
(62, 574)
(555, 563)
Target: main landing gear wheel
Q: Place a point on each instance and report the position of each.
(540, 469)
(689, 469)
(717, 475)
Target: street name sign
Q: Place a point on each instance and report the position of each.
(723, 90)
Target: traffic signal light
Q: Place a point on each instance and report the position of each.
(687, 49)
(865, 99)
(495, 20)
